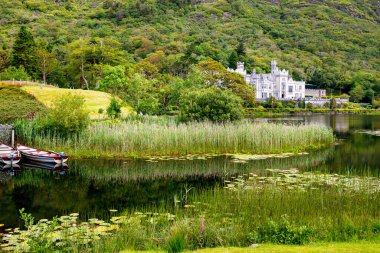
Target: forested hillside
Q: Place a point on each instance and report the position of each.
(330, 43)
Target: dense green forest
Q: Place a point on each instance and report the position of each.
(147, 50)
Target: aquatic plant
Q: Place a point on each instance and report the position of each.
(292, 179)
(131, 140)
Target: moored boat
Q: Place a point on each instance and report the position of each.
(9, 155)
(42, 156)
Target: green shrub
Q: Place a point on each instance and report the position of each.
(212, 104)
(13, 73)
(282, 232)
(376, 104)
(67, 116)
(309, 106)
(114, 109)
(150, 106)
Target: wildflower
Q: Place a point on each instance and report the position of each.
(202, 226)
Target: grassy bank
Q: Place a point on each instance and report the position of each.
(271, 112)
(352, 247)
(139, 140)
(16, 103)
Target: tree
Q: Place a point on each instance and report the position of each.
(114, 109)
(333, 104)
(24, 52)
(46, 60)
(232, 60)
(357, 94)
(4, 59)
(212, 104)
(114, 79)
(240, 50)
(216, 75)
(13, 73)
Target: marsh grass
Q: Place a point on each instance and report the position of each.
(144, 140)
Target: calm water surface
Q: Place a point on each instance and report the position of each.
(92, 187)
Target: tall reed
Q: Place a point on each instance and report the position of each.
(129, 139)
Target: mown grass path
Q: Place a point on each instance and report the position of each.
(356, 247)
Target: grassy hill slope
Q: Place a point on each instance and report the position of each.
(22, 101)
(94, 100)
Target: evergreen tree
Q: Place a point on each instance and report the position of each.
(232, 60)
(24, 52)
(240, 50)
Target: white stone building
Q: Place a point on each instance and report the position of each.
(278, 83)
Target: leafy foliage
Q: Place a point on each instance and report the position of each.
(14, 73)
(68, 116)
(24, 51)
(114, 109)
(212, 104)
(332, 44)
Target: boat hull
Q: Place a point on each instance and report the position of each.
(9, 161)
(42, 159)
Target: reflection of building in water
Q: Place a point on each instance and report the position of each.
(340, 123)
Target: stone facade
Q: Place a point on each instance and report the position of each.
(278, 83)
(315, 93)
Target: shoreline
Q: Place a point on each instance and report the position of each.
(273, 112)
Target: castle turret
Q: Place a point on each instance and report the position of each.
(273, 66)
(240, 68)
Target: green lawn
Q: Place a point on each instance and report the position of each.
(357, 247)
(94, 99)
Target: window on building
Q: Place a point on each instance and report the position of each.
(264, 95)
(290, 89)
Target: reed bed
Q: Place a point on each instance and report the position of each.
(139, 140)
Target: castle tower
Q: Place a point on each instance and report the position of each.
(240, 68)
(273, 66)
(240, 65)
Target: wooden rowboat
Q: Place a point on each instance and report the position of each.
(9, 155)
(42, 156)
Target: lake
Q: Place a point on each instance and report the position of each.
(93, 187)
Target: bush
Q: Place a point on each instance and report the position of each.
(114, 109)
(68, 116)
(309, 106)
(212, 104)
(13, 73)
(149, 105)
(282, 233)
(376, 104)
